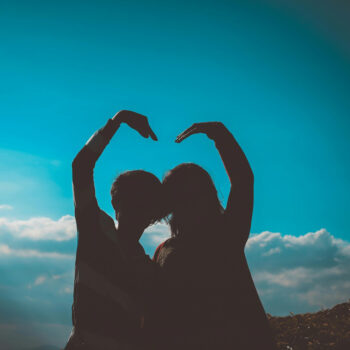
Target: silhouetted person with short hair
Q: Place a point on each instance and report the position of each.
(113, 275)
(212, 301)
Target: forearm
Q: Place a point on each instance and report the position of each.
(84, 163)
(238, 212)
(234, 159)
(100, 139)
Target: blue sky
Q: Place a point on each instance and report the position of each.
(277, 76)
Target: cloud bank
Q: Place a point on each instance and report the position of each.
(40, 228)
(292, 273)
(299, 274)
(6, 251)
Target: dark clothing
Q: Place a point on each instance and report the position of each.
(110, 289)
(213, 301)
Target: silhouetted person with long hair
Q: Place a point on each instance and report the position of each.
(212, 301)
(113, 275)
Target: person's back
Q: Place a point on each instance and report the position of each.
(213, 300)
(195, 291)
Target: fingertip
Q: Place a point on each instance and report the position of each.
(153, 136)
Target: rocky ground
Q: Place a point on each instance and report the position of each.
(323, 330)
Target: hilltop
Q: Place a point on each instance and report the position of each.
(324, 330)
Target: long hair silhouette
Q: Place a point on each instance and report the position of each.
(212, 301)
(191, 197)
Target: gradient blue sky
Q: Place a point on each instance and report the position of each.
(279, 86)
(277, 76)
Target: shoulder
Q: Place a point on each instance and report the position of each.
(170, 243)
(105, 219)
(106, 226)
(158, 250)
(166, 250)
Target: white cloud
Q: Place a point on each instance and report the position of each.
(287, 278)
(60, 286)
(292, 273)
(272, 251)
(57, 277)
(299, 273)
(40, 280)
(64, 229)
(6, 207)
(6, 251)
(40, 228)
(156, 234)
(275, 251)
(66, 290)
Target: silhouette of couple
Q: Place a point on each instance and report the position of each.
(197, 292)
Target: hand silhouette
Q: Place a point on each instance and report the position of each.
(211, 129)
(136, 121)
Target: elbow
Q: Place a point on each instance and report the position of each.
(75, 164)
(249, 175)
(78, 160)
(74, 170)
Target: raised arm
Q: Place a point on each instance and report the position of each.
(84, 163)
(238, 212)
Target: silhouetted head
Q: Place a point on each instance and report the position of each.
(137, 199)
(191, 197)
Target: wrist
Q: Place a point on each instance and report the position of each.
(119, 117)
(220, 134)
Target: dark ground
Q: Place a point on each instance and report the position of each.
(323, 330)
